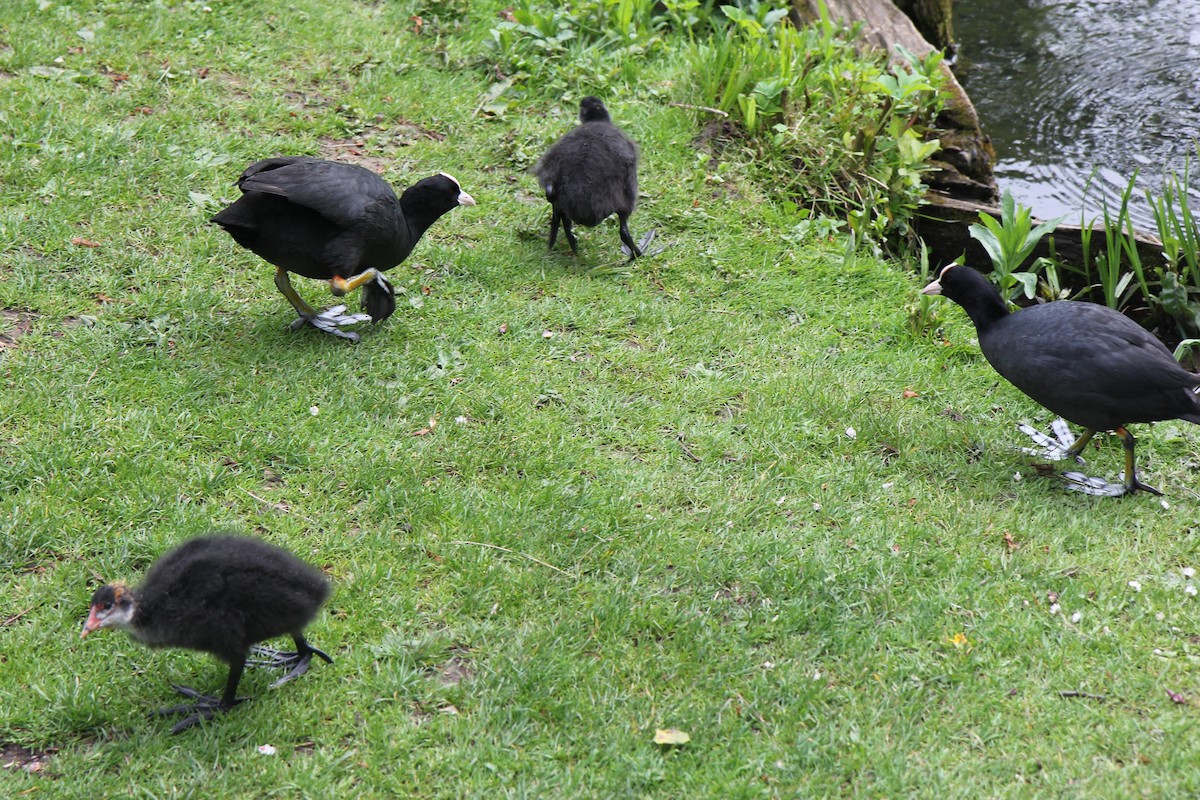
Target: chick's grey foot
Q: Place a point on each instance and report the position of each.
(206, 707)
(331, 321)
(296, 663)
(1098, 487)
(1055, 448)
(643, 246)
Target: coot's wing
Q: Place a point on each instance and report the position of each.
(339, 192)
(1093, 366)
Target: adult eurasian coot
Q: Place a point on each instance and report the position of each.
(220, 595)
(1087, 363)
(336, 222)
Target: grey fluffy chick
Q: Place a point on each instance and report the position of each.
(220, 595)
(589, 175)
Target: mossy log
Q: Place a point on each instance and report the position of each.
(963, 166)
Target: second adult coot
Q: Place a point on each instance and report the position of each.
(589, 175)
(336, 222)
(1085, 362)
(220, 595)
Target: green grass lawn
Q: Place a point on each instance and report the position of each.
(563, 504)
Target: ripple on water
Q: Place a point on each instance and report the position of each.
(1067, 86)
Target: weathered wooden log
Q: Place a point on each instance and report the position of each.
(963, 166)
(944, 223)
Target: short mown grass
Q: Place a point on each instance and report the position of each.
(563, 504)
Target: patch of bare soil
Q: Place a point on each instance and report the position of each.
(13, 325)
(455, 671)
(13, 756)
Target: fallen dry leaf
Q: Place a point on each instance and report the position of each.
(1176, 697)
(671, 737)
(909, 394)
(79, 241)
(426, 431)
(1010, 541)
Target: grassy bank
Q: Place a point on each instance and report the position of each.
(563, 504)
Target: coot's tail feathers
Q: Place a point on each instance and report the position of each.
(379, 299)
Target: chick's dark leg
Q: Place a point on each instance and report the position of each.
(296, 662)
(553, 227)
(206, 706)
(329, 321)
(566, 223)
(630, 248)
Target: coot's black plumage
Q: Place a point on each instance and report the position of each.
(1087, 363)
(336, 222)
(220, 595)
(589, 175)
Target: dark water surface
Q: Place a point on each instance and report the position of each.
(1065, 86)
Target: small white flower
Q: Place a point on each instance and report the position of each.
(1190, 590)
(547, 334)
(768, 665)
(1055, 608)
(853, 434)
(1189, 572)
(816, 506)
(1137, 587)
(1160, 616)
(266, 749)
(1016, 476)
(314, 410)
(462, 419)
(1078, 615)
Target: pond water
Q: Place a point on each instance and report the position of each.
(1065, 87)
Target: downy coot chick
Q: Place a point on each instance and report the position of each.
(336, 222)
(221, 595)
(589, 175)
(1085, 362)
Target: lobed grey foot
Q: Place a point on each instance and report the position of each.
(1098, 487)
(297, 663)
(643, 245)
(1056, 448)
(205, 707)
(331, 321)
